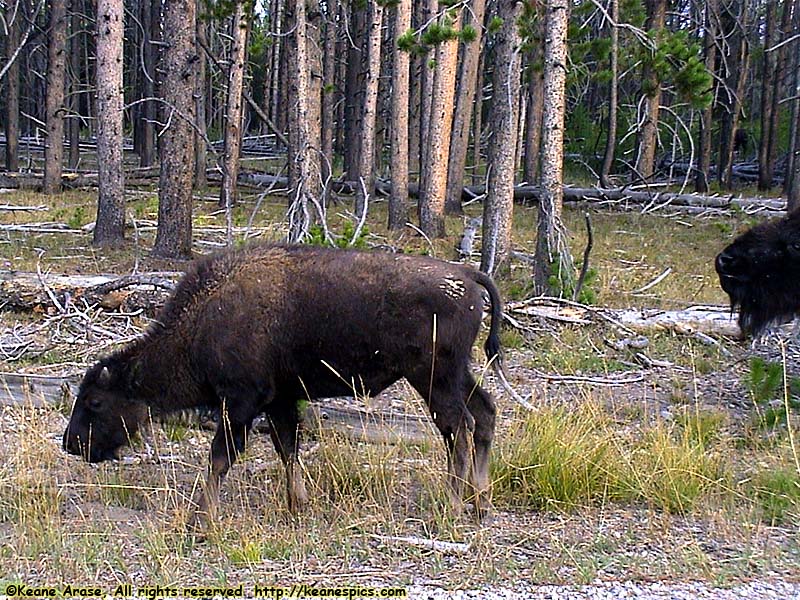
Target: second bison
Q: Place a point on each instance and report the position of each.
(260, 329)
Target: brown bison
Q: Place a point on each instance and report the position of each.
(256, 331)
(760, 270)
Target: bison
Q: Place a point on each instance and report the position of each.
(760, 271)
(259, 330)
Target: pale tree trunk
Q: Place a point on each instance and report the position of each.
(354, 86)
(765, 146)
(706, 120)
(12, 88)
(201, 152)
(477, 120)
(792, 184)
(151, 26)
(328, 96)
(648, 131)
(428, 10)
(304, 166)
(462, 115)
(434, 182)
(74, 123)
(174, 234)
(498, 206)
(611, 138)
(534, 96)
(366, 166)
(54, 102)
(233, 109)
(553, 257)
(735, 18)
(779, 83)
(398, 200)
(314, 114)
(110, 226)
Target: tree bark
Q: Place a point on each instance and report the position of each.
(12, 89)
(648, 132)
(233, 110)
(765, 146)
(366, 165)
(791, 184)
(553, 257)
(328, 95)
(462, 115)
(398, 200)
(611, 137)
(706, 119)
(54, 103)
(434, 182)
(200, 150)
(74, 122)
(354, 88)
(174, 235)
(110, 225)
(498, 207)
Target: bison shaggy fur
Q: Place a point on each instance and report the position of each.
(760, 272)
(258, 330)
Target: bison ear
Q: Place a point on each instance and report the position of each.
(104, 378)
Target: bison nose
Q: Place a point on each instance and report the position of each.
(726, 263)
(71, 443)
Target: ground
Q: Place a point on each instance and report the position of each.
(659, 467)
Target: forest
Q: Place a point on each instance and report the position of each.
(592, 156)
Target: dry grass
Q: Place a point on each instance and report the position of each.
(593, 484)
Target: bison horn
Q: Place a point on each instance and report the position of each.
(105, 376)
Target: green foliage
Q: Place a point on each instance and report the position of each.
(766, 386)
(407, 41)
(778, 495)
(78, 218)
(468, 34)
(563, 284)
(495, 23)
(344, 239)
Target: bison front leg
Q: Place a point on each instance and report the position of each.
(284, 424)
(229, 441)
(482, 407)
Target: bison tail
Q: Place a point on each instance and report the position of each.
(492, 345)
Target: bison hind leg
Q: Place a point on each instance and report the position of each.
(284, 420)
(482, 407)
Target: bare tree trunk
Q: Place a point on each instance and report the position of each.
(110, 225)
(792, 182)
(151, 25)
(12, 89)
(779, 82)
(328, 95)
(354, 88)
(611, 138)
(314, 114)
(367, 153)
(498, 207)
(706, 122)
(737, 64)
(74, 122)
(434, 183)
(428, 10)
(553, 257)
(765, 146)
(462, 115)
(398, 200)
(54, 103)
(201, 151)
(174, 235)
(477, 120)
(651, 87)
(234, 110)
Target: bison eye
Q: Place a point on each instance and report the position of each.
(94, 403)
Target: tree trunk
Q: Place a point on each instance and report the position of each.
(428, 10)
(706, 120)
(765, 146)
(366, 166)
(328, 96)
(12, 89)
(233, 108)
(651, 88)
(462, 115)
(174, 235)
(200, 150)
(553, 257)
(354, 89)
(779, 83)
(151, 25)
(792, 182)
(74, 122)
(498, 207)
(735, 26)
(54, 103)
(110, 225)
(398, 200)
(611, 137)
(434, 182)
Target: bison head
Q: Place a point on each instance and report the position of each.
(104, 416)
(760, 271)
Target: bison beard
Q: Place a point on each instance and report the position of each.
(760, 271)
(257, 330)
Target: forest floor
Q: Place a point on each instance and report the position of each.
(720, 504)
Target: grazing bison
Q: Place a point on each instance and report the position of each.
(257, 330)
(760, 271)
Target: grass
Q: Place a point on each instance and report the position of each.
(594, 482)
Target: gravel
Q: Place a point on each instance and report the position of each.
(756, 590)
